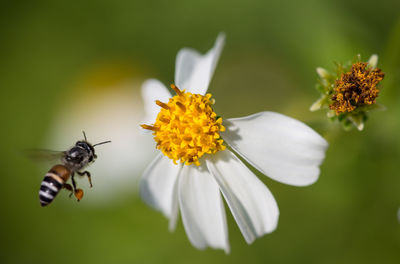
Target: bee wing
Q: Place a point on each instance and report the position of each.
(44, 155)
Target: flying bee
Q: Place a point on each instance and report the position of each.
(74, 160)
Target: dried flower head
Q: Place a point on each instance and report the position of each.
(356, 88)
(350, 93)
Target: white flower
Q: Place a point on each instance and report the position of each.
(276, 145)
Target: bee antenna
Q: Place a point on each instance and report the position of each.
(84, 135)
(101, 143)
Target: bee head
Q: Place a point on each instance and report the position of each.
(89, 148)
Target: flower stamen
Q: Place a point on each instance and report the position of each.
(153, 128)
(176, 89)
(161, 104)
(165, 120)
(181, 106)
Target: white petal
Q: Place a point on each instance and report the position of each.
(193, 71)
(252, 204)
(158, 186)
(358, 122)
(175, 208)
(153, 90)
(281, 147)
(318, 104)
(322, 72)
(202, 209)
(373, 61)
(324, 75)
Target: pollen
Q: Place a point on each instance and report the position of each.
(356, 88)
(186, 127)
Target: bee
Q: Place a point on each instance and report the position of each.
(74, 160)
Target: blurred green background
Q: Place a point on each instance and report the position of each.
(54, 52)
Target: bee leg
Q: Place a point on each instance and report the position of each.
(73, 182)
(88, 175)
(78, 192)
(69, 188)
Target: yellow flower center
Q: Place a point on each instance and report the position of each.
(186, 127)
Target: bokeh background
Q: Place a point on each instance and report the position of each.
(68, 66)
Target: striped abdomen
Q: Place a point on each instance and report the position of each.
(52, 183)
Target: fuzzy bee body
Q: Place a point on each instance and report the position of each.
(74, 160)
(52, 183)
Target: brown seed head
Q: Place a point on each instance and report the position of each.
(356, 88)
